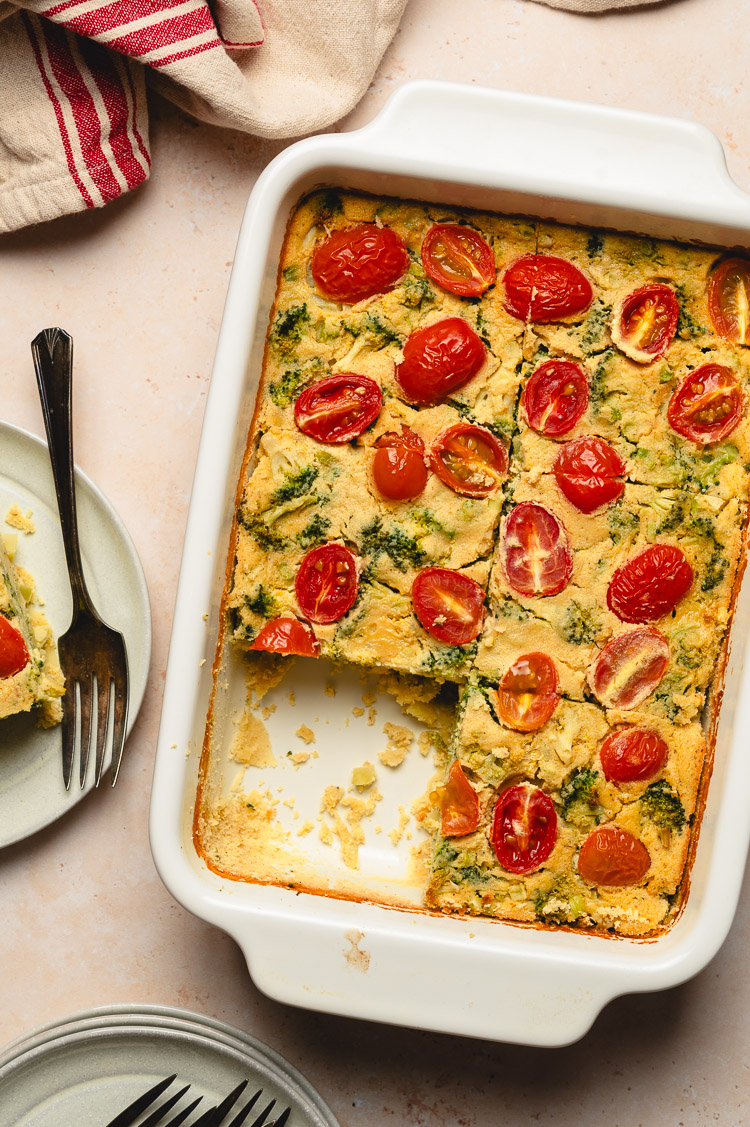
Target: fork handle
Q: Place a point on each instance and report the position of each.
(52, 350)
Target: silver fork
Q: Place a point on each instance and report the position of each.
(92, 655)
(213, 1117)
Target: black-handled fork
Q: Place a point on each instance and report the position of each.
(92, 655)
(212, 1117)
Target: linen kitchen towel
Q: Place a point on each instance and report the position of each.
(73, 115)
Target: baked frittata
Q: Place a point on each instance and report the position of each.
(513, 455)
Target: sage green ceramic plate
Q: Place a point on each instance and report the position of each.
(32, 793)
(85, 1069)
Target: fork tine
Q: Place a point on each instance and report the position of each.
(175, 1121)
(238, 1119)
(70, 713)
(281, 1121)
(129, 1114)
(119, 725)
(214, 1115)
(103, 696)
(243, 1113)
(158, 1115)
(86, 693)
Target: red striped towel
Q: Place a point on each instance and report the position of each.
(73, 114)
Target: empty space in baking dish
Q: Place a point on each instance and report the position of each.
(322, 721)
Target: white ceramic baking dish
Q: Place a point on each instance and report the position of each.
(515, 154)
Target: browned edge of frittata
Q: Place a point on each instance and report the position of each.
(711, 718)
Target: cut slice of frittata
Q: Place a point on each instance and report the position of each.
(39, 682)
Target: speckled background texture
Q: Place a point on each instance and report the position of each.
(140, 285)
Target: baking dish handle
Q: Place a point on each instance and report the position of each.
(568, 149)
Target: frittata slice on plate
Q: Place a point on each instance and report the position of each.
(30, 675)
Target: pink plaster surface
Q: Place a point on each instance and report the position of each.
(140, 285)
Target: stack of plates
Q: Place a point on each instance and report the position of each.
(87, 1068)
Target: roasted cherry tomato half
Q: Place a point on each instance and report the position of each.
(630, 755)
(527, 695)
(338, 408)
(449, 605)
(707, 405)
(645, 322)
(629, 667)
(612, 856)
(589, 472)
(524, 828)
(729, 299)
(14, 656)
(650, 585)
(327, 583)
(358, 262)
(469, 460)
(535, 552)
(540, 287)
(439, 359)
(555, 397)
(459, 804)
(287, 635)
(399, 465)
(458, 259)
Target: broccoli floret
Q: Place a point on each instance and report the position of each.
(580, 625)
(262, 602)
(661, 804)
(621, 521)
(295, 485)
(445, 854)
(290, 273)
(711, 463)
(417, 291)
(403, 550)
(664, 695)
(595, 324)
(286, 331)
(375, 331)
(263, 534)
(674, 518)
(579, 800)
(645, 249)
(557, 905)
(509, 608)
(687, 326)
(429, 522)
(286, 390)
(598, 390)
(449, 659)
(323, 332)
(594, 245)
(483, 327)
(237, 627)
(715, 569)
(313, 533)
(326, 206)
